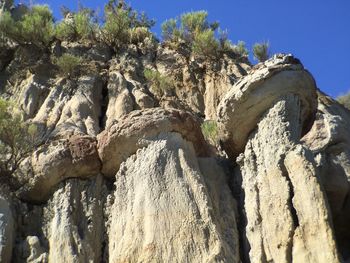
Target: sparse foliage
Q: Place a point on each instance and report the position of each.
(158, 82)
(345, 100)
(240, 49)
(16, 138)
(170, 30)
(210, 131)
(261, 51)
(68, 64)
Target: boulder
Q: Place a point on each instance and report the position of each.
(132, 131)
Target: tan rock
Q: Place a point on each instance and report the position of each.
(120, 101)
(288, 219)
(123, 139)
(75, 226)
(62, 114)
(59, 160)
(241, 108)
(329, 140)
(164, 212)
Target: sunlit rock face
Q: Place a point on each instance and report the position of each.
(123, 174)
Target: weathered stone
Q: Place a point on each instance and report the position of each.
(180, 219)
(288, 219)
(75, 230)
(249, 98)
(59, 160)
(123, 139)
(7, 227)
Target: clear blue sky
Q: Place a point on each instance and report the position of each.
(315, 31)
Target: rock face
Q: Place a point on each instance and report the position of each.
(6, 227)
(121, 173)
(178, 219)
(284, 203)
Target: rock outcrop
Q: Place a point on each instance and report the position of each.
(121, 173)
(180, 219)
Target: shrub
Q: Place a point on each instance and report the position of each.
(68, 64)
(205, 44)
(169, 29)
(159, 83)
(9, 28)
(210, 131)
(193, 23)
(345, 100)
(77, 26)
(35, 27)
(139, 34)
(120, 20)
(240, 49)
(194, 30)
(261, 51)
(16, 138)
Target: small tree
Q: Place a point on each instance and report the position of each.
(195, 31)
(205, 44)
(210, 131)
(261, 51)
(16, 138)
(120, 20)
(345, 100)
(35, 27)
(77, 26)
(68, 64)
(158, 83)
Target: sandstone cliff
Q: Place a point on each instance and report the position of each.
(123, 174)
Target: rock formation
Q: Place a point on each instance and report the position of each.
(122, 174)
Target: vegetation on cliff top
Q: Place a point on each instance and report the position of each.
(120, 25)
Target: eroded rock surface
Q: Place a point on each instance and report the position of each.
(122, 173)
(123, 139)
(241, 108)
(180, 219)
(56, 161)
(287, 213)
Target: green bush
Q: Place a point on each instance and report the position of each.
(16, 138)
(194, 23)
(261, 51)
(200, 36)
(205, 44)
(9, 28)
(210, 131)
(35, 27)
(68, 64)
(80, 26)
(345, 100)
(120, 22)
(158, 83)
